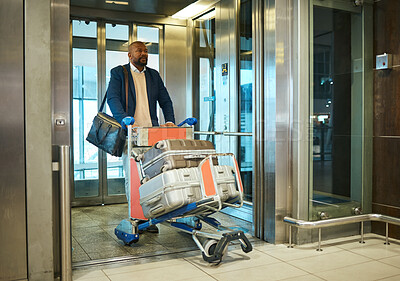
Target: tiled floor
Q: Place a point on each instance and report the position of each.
(93, 235)
(341, 259)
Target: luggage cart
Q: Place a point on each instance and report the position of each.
(189, 217)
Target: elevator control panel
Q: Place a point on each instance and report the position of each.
(384, 61)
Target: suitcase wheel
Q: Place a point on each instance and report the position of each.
(138, 157)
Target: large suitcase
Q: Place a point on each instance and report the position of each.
(174, 154)
(176, 188)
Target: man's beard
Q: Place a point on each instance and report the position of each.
(139, 62)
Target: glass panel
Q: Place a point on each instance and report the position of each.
(117, 32)
(84, 28)
(116, 54)
(246, 82)
(205, 61)
(84, 79)
(150, 36)
(337, 114)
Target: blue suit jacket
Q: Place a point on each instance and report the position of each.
(156, 92)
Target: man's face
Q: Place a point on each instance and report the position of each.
(138, 54)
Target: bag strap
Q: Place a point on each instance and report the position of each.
(126, 88)
(126, 92)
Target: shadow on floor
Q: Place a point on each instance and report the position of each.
(93, 234)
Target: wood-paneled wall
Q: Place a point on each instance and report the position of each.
(386, 160)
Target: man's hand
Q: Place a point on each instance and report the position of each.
(168, 124)
(127, 121)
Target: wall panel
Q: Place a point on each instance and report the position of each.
(13, 254)
(386, 181)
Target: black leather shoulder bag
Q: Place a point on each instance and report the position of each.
(106, 133)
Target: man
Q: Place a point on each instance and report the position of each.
(145, 89)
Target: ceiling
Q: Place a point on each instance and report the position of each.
(158, 7)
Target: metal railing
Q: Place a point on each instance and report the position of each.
(237, 134)
(340, 221)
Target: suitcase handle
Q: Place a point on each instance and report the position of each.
(156, 210)
(194, 156)
(153, 200)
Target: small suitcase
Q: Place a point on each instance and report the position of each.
(176, 188)
(174, 154)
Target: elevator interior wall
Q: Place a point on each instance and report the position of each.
(13, 257)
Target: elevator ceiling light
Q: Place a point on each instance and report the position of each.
(117, 2)
(207, 16)
(194, 9)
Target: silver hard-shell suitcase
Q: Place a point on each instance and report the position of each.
(174, 154)
(176, 188)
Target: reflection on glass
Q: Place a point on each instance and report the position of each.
(336, 103)
(205, 61)
(116, 54)
(84, 109)
(246, 78)
(150, 36)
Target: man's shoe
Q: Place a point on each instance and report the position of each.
(152, 229)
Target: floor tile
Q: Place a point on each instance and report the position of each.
(377, 251)
(284, 253)
(392, 278)
(143, 266)
(202, 278)
(372, 270)
(276, 271)
(153, 249)
(394, 261)
(355, 244)
(328, 261)
(308, 277)
(83, 274)
(173, 272)
(234, 260)
(102, 278)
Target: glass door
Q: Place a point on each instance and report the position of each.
(116, 53)
(85, 106)
(97, 47)
(336, 104)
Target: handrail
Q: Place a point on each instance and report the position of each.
(340, 221)
(239, 134)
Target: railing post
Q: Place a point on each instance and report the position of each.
(362, 233)
(65, 207)
(319, 240)
(290, 237)
(387, 234)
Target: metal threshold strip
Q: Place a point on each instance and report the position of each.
(340, 221)
(149, 257)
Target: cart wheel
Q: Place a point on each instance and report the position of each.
(209, 247)
(132, 242)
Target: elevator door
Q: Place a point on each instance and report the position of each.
(222, 67)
